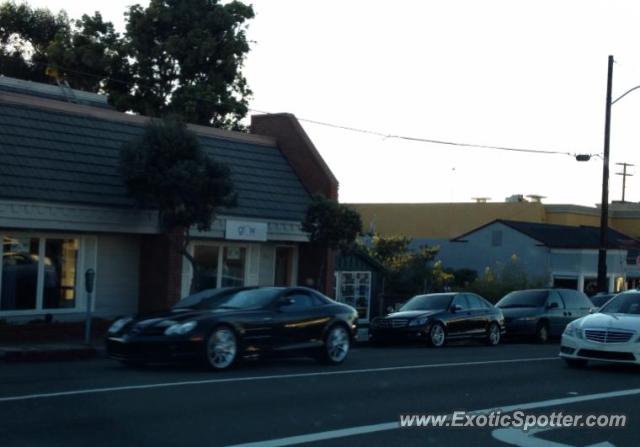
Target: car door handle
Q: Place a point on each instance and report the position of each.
(267, 319)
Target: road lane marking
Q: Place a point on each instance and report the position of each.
(270, 377)
(520, 438)
(386, 426)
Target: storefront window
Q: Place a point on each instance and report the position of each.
(233, 265)
(206, 257)
(18, 289)
(220, 265)
(30, 281)
(60, 265)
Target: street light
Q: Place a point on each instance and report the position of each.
(604, 207)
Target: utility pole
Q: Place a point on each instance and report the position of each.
(604, 206)
(624, 176)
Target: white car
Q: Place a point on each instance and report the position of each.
(612, 334)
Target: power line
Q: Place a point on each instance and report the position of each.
(332, 125)
(430, 140)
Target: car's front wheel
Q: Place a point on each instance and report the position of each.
(336, 345)
(437, 336)
(493, 334)
(221, 348)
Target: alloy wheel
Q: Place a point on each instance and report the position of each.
(337, 344)
(437, 335)
(542, 333)
(222, 348)
(494, 334)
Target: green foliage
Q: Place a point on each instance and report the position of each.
(88, 55)
(331, 224)
(462, 278)
(496, 282)
(181, 57)
(166, 168)
(408, 272)
(25, 35)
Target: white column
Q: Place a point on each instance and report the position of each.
(612, 280)
(581, 282)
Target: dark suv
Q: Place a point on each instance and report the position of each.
(542, 313)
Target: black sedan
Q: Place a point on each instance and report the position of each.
(221, 326)
(439, 317)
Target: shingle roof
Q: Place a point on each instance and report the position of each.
(51, 91)
(565, 236)
(49, 155)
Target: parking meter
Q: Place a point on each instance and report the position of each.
(89, 279)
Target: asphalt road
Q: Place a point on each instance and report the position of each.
(293, 401)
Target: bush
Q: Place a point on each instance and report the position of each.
(503, 278)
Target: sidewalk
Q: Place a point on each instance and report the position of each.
(48, 352)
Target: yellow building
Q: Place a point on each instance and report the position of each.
(449, 220)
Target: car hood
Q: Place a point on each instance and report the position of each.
(174, 316)
(519, 312)
(613, 321)
(413, 313)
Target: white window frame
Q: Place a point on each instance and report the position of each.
(339, 290)
(221, 246)
(80, 302)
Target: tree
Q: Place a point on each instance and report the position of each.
(409, 271)
(331, 225)
(187, 56)
(176, 56)
(503, 278)
(25, 36)
(167, 169)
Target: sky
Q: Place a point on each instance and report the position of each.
(523, 74)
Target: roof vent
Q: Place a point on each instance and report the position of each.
(535, 198)
(515, 198)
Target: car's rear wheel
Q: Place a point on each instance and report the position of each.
(336, 345)
(576, 363)
(437, 335)
(221, 348)
(493, 334)
(542, 332)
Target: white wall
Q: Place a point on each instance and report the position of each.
(117, 275)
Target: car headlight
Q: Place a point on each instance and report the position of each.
(419, 321)
(572, 331)
(181, 328)
(118, 325)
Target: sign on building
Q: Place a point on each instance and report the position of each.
(246, 231)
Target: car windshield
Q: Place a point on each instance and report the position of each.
(600, 300)
(625, 303)
(428, 302)
(207, 299)
(251, 299)
(523, 298)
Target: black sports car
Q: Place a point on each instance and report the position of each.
(438, 317)
(219, 326)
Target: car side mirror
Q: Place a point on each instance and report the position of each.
(456, 308)
(552, 306)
